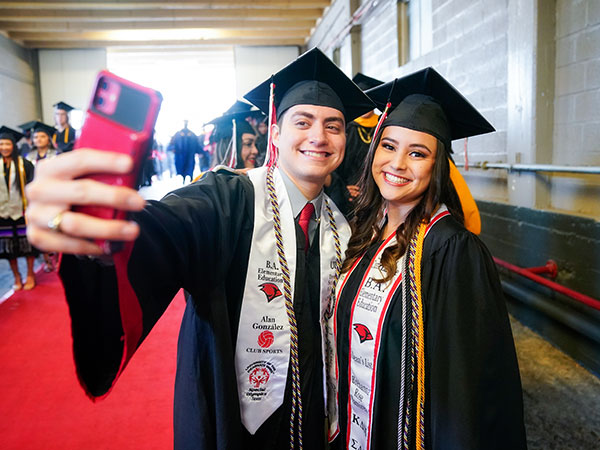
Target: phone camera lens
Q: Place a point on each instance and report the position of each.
(104, 85)
(100, 101)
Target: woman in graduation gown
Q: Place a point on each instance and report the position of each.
(42, 143)
(242, 152)
(425, 356)
(17, 172)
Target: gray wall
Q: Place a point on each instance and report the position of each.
(18, 84)
(68, 75)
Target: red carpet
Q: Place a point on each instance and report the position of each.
(42, 405)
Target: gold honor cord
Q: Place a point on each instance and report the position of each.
(21, 170)
(420, 442)
(365, 135)
(415, 253)
(65, 136)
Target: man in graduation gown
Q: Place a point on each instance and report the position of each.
(250, 347)
(184, 144)
(64, 136)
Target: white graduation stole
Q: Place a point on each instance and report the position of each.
(11, 201)
(368, 313)
(263, 342)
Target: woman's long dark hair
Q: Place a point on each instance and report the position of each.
(369, 210)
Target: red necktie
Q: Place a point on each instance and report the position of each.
(304, 220)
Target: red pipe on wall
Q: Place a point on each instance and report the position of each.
(592, 302)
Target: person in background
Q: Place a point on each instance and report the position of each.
(64, 136)
(359, 134)
(256, 253)
(43, 149)
(26, 143)
(262, 137)
(241, 151)
(245, 144)
(42, 143)
(222, 133)
(16, 173)
(184, 145)
(425, 357)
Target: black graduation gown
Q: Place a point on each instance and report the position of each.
(197, 238)
(64, 140)
(185, 145)
(473, 396)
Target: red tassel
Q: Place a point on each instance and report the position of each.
(381, 119)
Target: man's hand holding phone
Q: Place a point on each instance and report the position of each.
(59, 185)
(79, 201)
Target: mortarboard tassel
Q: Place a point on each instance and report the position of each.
(388, 105)
(272, 151)
(233, 151)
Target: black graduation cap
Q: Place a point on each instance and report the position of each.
(238, 106)
(9, 133)
(364, 82)
(28, 126)
(225, 121)
(224, 124)
(425, 101)
(312, 79)
(40, 126)
(63, 106)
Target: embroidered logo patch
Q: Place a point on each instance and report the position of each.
(363, 332)
(271, 291)
(258, 377)
(265, 339)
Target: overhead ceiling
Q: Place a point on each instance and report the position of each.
(177, 24)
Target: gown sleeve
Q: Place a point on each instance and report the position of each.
(29, 170)
(187, 241)
(473, 376)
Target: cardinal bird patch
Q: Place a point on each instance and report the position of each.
(363, 332)
(270, 290)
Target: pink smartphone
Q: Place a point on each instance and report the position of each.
(120, 118)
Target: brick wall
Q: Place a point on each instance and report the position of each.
(331, 24)
(577, 105)
(379, 40)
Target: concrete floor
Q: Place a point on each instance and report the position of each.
(561, 398)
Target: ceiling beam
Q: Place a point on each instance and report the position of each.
(156, 25)
(133, 44)
(156, 35)
(179, 4)
(43, 15)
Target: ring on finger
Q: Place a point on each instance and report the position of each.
(55, 222)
